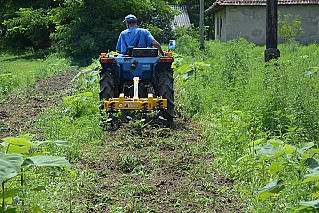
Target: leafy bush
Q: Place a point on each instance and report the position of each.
(289, 27)
(73, 30)
(19, 155)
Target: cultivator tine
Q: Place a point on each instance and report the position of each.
(112, 123)
(144, 112)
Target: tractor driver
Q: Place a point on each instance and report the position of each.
(135, 36)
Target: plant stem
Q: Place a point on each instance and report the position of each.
(70, 199)
(8, 148)
(22, 186)
(3, 198)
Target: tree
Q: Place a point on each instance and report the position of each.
(289, 27)
(82, 29)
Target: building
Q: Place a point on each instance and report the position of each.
(182, 19)
(247, 19)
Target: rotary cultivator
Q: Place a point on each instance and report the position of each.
(137, 86)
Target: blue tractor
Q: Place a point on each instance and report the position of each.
(140, 81)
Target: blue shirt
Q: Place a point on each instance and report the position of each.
(134, 36)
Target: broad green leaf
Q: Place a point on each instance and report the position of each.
(57, 142)
(14, 159)
(85, 94)
(9, 200)
(256, 142)
(18, 149)
(39, 188)
(27, 136)
(46, 160)
(7, 171)
(313, 204)
(289, 149)
(10, 165)
(18, 141)
(311, 177)
(275, 142)
(183, 68)
(315, 194)
(313, 151)
(241, 158)
(265, 195)
(312, 163)
(269, 152)
(275, 167)
(305, 147)
(271, 188)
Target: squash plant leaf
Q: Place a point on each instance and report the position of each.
(19, 141)
(305, 147)
(275, 167)
(270, 189)
(312, 163)
(27, 136)
(47, 160)
(306, 204)
(289, 149)
(18, 149)
(268, 151)
(57, 142)
(275, 142)
(311, 177)
(313, 151)
(10, 165)
(256, 142)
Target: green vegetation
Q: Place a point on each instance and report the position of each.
(260, 120)
(18, 71)
(73, 29)
(252, 142)
(20, 155)
(289, 27)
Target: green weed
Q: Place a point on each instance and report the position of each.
(23, 70)
(242, 99)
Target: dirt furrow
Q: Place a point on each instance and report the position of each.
(22, 106)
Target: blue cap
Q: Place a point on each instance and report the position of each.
(130, 18)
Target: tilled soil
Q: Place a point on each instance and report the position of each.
(24, 105)
(157, 170)
(148, 170)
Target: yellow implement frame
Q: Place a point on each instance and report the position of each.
(128, 103)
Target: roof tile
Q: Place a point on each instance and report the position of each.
(219, 3)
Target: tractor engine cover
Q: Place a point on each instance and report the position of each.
(144, 52)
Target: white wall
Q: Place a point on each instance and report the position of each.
(249, 22)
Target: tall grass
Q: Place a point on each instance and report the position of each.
(241, 99)
(18, 71)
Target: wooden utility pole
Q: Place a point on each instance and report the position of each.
(271, 51)
(201, 24)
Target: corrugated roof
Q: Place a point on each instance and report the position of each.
(217, 5)
(182, 19)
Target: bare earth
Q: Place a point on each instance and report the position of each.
(24, 105)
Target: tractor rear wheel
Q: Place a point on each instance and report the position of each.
(166, 90)
(107, 85)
